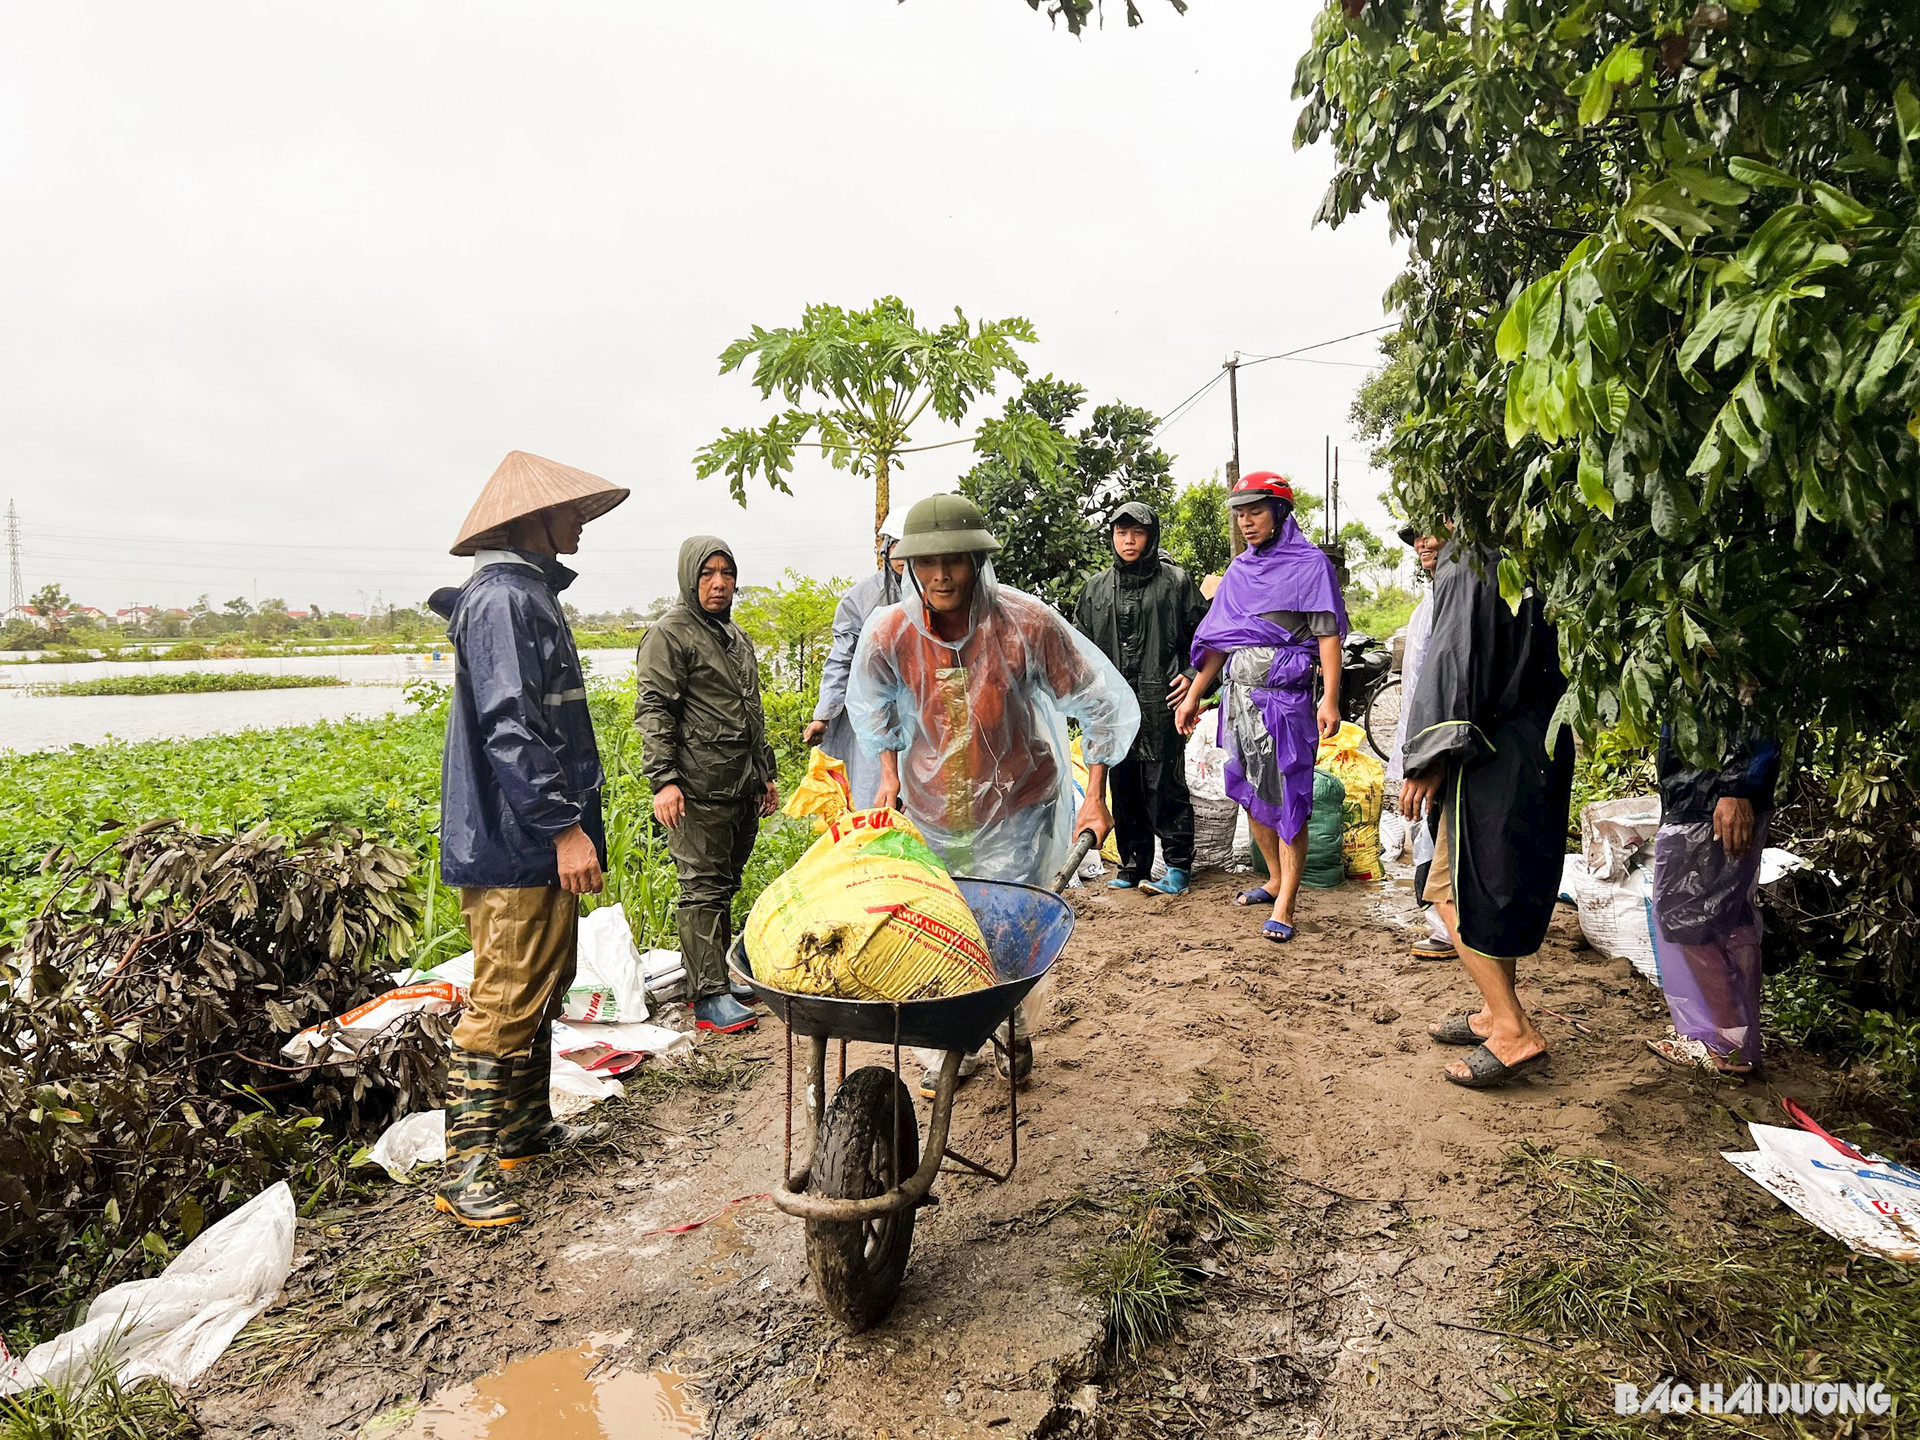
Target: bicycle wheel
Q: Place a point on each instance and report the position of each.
(1383, 716)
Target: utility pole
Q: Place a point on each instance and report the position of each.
(16, 586)
(1233, 402)
(1234, 539)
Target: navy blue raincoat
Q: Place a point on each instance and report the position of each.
(521, 766)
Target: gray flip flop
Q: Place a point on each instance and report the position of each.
(1487, 1070)
(1456, 1030)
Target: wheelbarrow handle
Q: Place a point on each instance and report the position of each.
(1080, 850)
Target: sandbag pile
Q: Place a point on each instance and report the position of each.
(1364, 778)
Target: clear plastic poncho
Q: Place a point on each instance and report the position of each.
(981, 725)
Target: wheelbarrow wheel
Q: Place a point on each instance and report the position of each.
(857, 1266)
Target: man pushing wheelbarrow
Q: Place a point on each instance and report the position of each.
(964, 690)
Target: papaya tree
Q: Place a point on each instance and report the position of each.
(856, 382)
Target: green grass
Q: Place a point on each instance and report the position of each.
(97, 1408)
(187, 682)
(1218, 1185)
(1633, 1291)
(1383, 612)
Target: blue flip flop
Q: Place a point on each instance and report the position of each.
(1277, 931)
(1256, 896)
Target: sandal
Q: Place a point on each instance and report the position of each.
(1695, 1058)
(1256, 896)
(1456, 1030)
(1278, 931)
(1485, 1070)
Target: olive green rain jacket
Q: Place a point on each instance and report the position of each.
(698, 702)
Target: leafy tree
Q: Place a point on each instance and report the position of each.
(791, 625)
(1050, 518)
(1194, 532)
(1077, 12)
(1370, 559)
(1661, 316)
(50, 602)
(1384, 398)
(867, 377)
(238, 607)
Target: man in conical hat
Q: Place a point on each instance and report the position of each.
(521, 834)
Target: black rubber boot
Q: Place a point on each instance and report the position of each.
(475, 1191)
(530, 1129)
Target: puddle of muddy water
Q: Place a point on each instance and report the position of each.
(560, 1395)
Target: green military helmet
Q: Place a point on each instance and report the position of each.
(944, 525)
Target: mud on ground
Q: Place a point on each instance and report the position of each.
(1396, 1214)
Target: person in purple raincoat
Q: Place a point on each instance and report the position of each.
(1277, 611)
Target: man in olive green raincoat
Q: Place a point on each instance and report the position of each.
(706, 755)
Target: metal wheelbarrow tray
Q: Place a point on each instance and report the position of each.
(864, 1177)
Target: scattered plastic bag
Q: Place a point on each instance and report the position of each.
(1869, 1204)
(611, 983)
(574, 1088)
(616, 1049)
(1616, 834)
(416, 1139)
(826, 794)
(346, 1035)
(1393, 836)
(1573, 870)
(175, 1325)
(1364, 777)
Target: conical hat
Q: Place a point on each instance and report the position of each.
(523, 484)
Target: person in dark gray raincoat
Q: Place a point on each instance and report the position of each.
(1142, 612)
(1479, 759)
(831, 728)
(705, 752)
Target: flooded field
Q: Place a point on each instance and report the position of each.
(374, 687)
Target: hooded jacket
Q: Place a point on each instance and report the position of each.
(521, 767)
(981, 723)
(697, 699)
(1143, 615)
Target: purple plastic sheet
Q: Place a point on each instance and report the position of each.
(1706, 937)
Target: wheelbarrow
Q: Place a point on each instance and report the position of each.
(866, 1176)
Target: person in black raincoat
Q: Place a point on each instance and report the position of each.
(1142, 611)
(705, 752)
(521, 833)
(1478, 766)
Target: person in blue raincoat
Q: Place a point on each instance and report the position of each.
(521, 831)
(831, 727)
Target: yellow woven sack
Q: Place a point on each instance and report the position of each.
(1109, 847)
(1365, 777)
(824, 794)
(868, 913)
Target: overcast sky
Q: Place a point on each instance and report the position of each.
(282, 283)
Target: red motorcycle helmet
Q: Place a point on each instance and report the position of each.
(1260, 487)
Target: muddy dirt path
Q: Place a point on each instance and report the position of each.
(1397, 1211)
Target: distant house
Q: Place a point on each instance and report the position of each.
(25, 615)
(135, 615)
(299, 614)
(91, 613)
